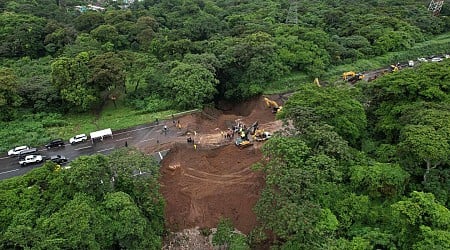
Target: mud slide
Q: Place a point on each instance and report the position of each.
(214, 180)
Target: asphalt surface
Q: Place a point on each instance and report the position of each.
(133, 137)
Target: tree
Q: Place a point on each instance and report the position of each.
(21, 35)
(420, 215)
(9, 98)
(381, 180)
(137, 175)
(88, 21)
(191, 85)
(105, 33)
(107, 75)
(70, 77)
(337, 107)
(227, 237)
(423, 143)
(129, 228)
(58, 36)
(286, 205)
(78, 224)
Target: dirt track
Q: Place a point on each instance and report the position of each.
(215, 180)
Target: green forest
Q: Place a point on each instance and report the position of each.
(358, 167)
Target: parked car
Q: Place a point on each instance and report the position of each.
(58, 159)
(421, 59)
(25, 152)
(411, 63)
(55, 143)
(436, 59)
(31, 159)
(78, 138)
(16, 151)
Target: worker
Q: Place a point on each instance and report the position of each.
(195, 146)
(126, 144)
(165, 129)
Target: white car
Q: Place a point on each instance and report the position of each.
(436, 59)
(30, 159)
(17, 150)
(78, 138)
(421, 59)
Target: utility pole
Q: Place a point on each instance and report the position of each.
(292, 15)
(436, 6)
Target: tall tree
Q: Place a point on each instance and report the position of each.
(191, 85)
(9, 98)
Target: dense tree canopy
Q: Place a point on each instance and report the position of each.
(250, 39)
(357, 167)
(98, 203)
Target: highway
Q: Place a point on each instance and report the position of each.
(134, 137)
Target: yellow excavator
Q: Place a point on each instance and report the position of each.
(394, 68)
(273, 105)
(352, 76)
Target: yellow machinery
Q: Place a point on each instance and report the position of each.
(273, 105)
(352, 77)
(394, 68)
(316, 81)
(261, 135)
(348, 75)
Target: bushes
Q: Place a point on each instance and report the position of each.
(33, 130)
(151, 104)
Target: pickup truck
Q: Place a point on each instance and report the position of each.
(31, 159)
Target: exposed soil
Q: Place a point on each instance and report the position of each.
(214, 180)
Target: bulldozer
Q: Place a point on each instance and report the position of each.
(273, 105)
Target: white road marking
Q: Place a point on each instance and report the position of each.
(4, 157)
(124, 138)
(14, 170)
(83, 148)
(147, 140)
(106, 149)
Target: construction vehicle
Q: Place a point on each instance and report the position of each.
(316, 81)
(243, 140)
(348, 75)
(394, 68)
(352, 77)
(261, 135)
(273, 105)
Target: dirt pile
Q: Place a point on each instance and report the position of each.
(214, 180)
(202, 186)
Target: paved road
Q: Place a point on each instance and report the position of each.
(134, 137)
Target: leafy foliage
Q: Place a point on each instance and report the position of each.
(99, 203)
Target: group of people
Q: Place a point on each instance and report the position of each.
(228, 134)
